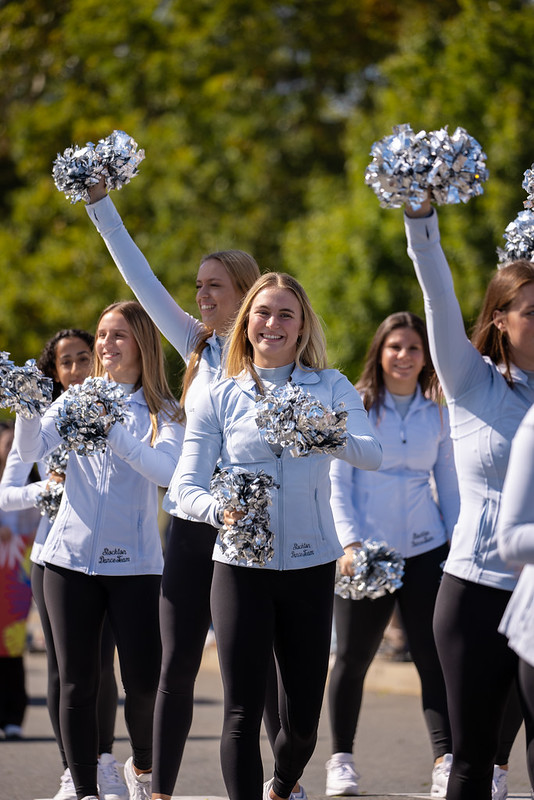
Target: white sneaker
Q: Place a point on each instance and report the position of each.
(139, 786)
(300, 795)
(499, 784)
(267, 788)
(66, 789)
(13, 733)
(341, 776)
(110, 783)
(440, 777)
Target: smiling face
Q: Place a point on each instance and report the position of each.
(117, 349)
(217, 297)
(402, 360)
(274, 324)
(517, 324)
(73, 361)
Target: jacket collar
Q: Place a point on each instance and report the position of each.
(299, 376)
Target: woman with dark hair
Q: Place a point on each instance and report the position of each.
(103, 553)
(394, 504)
(286, 604)
(66, 358)
(488, 383)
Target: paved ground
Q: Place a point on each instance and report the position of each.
(393, 754)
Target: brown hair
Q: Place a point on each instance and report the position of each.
(243, 271)
(311, 345)
(500, 294)
(153, 379)
(371, 383)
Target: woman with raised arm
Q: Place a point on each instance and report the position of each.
(488, 383)
(66, 359)
(394, 504)
(103, 553)
(287, 604)
(223, 279)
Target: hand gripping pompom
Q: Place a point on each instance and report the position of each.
(24, 390)
(87, 412)
(378, 569)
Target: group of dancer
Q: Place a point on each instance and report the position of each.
(99, 572)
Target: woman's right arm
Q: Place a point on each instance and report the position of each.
(15, 492)
(458, 364)
(36, 437)
(179, 328)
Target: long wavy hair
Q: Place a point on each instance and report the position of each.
(311, 343)
(501, 292)
(371, 384)
(47, 360)
(243, 271)
(152, 378)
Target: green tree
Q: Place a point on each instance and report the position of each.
(473, 70)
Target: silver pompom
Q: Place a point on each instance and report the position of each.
(519, 235)
(87, 412)
(408, 166)
(57, 460)
(49, 500)
(115, 158)
(528, 186)
(249, 539)
(24, 390)
(378, 569)
(289, 417)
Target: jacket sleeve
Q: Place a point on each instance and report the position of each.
(202, 448)
(36, 437)
(458, 364)
(155, 463)
(362, 449)
(446, 478)
(342, 476)
(16, 493)
(515, 528)
(178, 327)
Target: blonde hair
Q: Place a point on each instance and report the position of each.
(152, 378)
(311, 343)
(243, 271)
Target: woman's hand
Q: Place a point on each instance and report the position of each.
(423, 211)
(346, 562)
(230, 517)
(98, 191)
(55, 477)
(6, 534)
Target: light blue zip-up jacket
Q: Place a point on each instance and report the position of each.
(484, 412)
(107, 522)
(17, 494)
(181, 329)
(395, 503)
(515, 535)
(223, 426)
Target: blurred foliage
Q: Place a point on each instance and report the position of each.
(257, 119)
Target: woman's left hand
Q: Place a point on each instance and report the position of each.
(230, 517)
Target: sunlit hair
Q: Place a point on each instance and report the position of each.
(47, 360)
(311, 344)
(500, 294)
(243, 271)
(153, 379)
(371, 384)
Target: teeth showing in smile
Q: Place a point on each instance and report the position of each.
(271, 337)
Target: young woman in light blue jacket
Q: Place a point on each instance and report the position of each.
(103, 552)
(288, 603)
(67, 359)
(394, 504)
(516, 546)
(489, 385)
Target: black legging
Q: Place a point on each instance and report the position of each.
(255, 609)
(184, 618)
(107, 692)
(77, 605)
(479, 670)
(360, 626)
